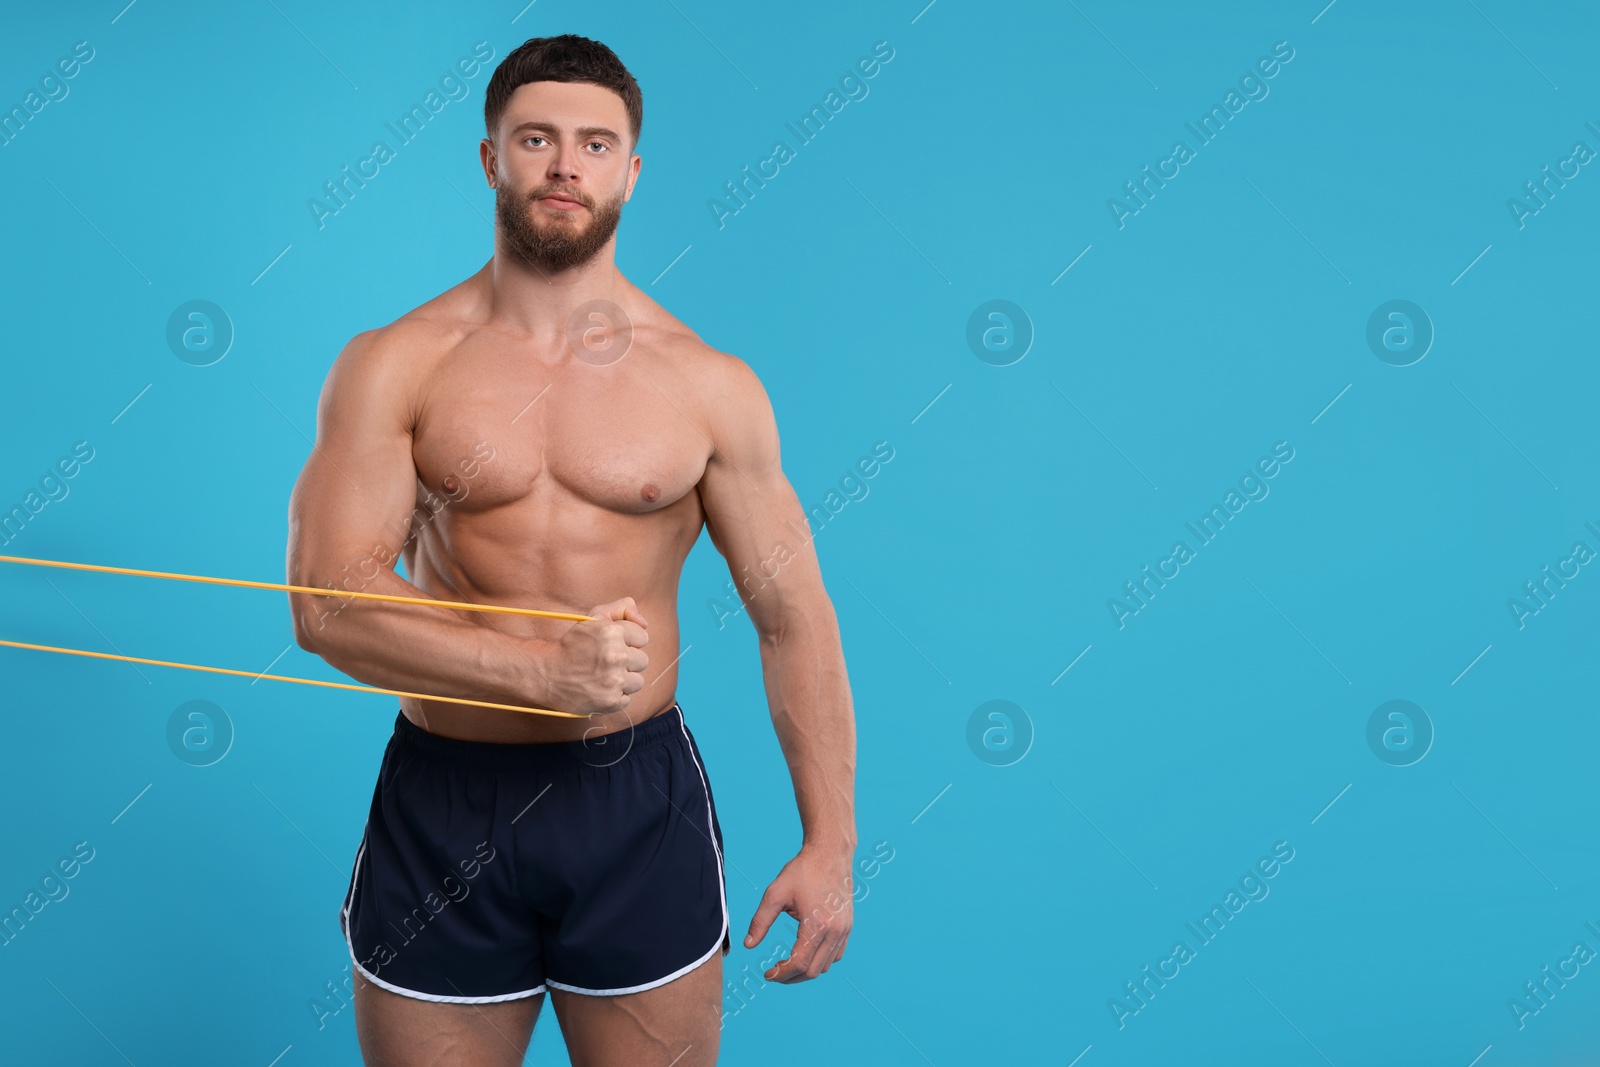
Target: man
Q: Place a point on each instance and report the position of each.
(544, 435)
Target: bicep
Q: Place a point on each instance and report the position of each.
(354, 498)
(752, 513)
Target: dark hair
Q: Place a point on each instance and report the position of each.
(567, 58)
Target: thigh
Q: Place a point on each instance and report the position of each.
(674, 1025)
(401, 1031)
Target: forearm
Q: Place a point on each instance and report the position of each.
(421, 649)
(808, 692)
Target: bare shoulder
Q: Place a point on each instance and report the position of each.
(725, 387)
(392, 362)
(725, 394)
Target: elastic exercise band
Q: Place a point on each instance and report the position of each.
(312, 590)
(285, 678)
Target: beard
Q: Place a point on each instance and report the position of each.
(553, 243)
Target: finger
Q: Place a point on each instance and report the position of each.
(797, 968)
(837, 952)
(772, 905)
(630, 611)
(784, 970)
(633, 635)
(623, 610)
(823, 959)
(827, 954)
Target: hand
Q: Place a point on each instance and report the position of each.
(814, 888)
(599, 663)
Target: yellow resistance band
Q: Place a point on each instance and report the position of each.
(311, 590)
(285, 678)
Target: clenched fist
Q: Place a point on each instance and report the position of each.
(599, 663)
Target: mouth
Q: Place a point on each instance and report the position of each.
(561, 203)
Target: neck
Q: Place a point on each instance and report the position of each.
(539, 302)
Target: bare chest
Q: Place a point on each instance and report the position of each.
(494, 431)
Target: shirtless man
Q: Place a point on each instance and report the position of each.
(516, 446)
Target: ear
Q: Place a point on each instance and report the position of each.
(490, 160)
(633, 176)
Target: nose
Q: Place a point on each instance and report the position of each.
(564, 164)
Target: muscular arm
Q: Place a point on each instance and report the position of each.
(350, 516)
(757, 523)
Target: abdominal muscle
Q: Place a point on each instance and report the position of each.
(600, 557)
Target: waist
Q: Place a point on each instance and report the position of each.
(597, 749)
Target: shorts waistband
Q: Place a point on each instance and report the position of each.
(601, 750)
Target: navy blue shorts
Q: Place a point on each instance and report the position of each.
(489, 871)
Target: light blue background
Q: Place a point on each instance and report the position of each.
(1225, 316)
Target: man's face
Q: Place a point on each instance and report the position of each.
(562, 170)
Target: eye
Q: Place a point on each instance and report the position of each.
(602, 144)
(532, 137)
